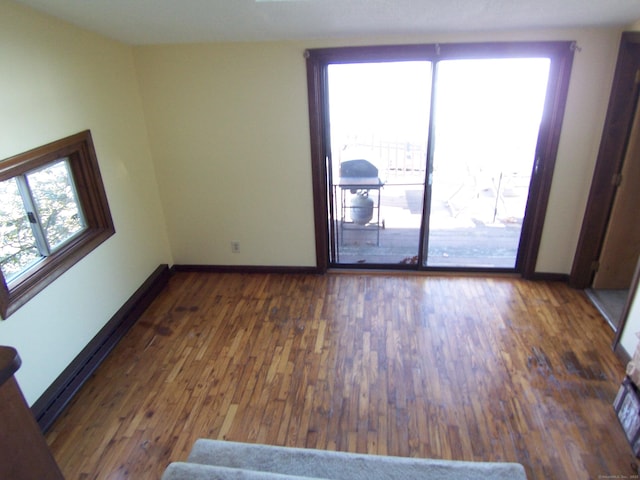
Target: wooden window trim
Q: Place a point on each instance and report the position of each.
(92, 197)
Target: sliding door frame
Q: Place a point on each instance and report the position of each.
(561, 56)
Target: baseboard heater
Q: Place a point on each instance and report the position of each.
(53, 401)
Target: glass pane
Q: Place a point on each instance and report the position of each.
(56, 202)
(18, 245)
(379, 122)
(487, 119)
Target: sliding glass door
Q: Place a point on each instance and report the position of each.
(433, 156)
(487, 115)
(379, 124)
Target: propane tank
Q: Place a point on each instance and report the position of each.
(361, 207)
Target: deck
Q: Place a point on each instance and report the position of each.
(470, 226)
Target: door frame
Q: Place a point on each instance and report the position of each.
(561, 56)
(613, 146)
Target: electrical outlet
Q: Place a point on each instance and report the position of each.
(235, 247)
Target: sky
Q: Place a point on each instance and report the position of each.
(487, 112)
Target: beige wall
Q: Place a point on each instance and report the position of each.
(58, 80)
(228, 126)
(629, 337)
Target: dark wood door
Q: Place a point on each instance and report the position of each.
(621, 245)
(613, 148)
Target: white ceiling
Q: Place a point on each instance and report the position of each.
(179, 21)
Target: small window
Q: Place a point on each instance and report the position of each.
(53, 212)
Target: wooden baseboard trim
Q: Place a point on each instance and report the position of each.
(243, 269)
(622, 354)
(53, 401)
(550, 277)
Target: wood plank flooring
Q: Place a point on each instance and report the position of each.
(465, 368)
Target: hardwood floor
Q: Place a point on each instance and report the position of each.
(465, 368)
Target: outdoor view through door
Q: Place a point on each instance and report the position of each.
(486, 116)
(486, 123)
(430, 161)
(379, 113)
